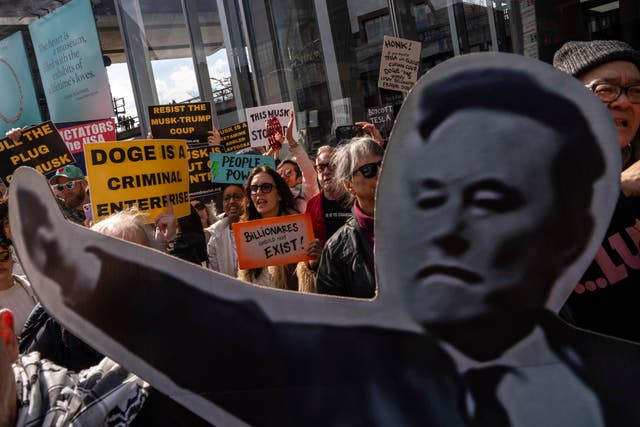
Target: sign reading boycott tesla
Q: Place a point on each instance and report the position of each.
(235, 168)
(40, 147)
(183, 121)
(142, 173)
(273, 241)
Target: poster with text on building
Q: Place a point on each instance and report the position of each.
(230, 168)
(70, 61)
(19, 103)
(147, 174)
(200, 185)
(256, 117)
(273, 241)
(191, 121)
(40, 147)
(235, 137)
(399, 64)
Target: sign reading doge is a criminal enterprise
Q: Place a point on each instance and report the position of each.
(143, 173)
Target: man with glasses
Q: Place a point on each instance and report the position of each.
(70, 182)
(331, 207)
(605, 298)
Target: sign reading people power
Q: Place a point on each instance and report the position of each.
(70, 62)
(18, 104)
(235, 168)
(399, 64)
(182, 121)
(143, 173)
(273, 241)
(40, 147)
(256, 117)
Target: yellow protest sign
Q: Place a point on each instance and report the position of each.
(142, 173)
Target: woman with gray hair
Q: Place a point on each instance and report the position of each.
(346, 265)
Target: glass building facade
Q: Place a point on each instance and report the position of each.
(323, 55)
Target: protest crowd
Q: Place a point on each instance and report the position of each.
(48, 376)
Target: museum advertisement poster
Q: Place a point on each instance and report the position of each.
(19, 104)
(70, 61)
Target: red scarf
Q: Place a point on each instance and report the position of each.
(364, 221)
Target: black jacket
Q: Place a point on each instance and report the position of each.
(346, 266)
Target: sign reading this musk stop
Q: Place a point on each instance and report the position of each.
(273, 241)
(40, 147)
(142, 173)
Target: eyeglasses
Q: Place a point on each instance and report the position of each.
(5, 255)
(237, 197)
(608, 92)
(264, 188)
(369, 170)
(199, 206)
(68, 185)
(320, 167)
(285, 172)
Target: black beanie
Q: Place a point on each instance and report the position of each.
(578, 57)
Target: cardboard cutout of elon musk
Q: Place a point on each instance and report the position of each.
(495, 192)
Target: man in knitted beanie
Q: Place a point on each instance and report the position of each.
(605, 299)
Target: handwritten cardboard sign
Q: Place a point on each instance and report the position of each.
(273, 241)
(399, 64)
(40, 147)
(256, 117)
(235, 168)
(235, 137)
(142, 173)
(181, 121)
(200, 184)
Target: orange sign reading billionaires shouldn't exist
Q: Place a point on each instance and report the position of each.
(273, 241)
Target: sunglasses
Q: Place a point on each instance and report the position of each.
(285, 172)
(322, 166)
(199, 206)
(369, 170)
(264, 188)
(68, 185)
(5, 255)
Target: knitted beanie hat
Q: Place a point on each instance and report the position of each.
(579, 57)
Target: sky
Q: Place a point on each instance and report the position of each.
(175, 79)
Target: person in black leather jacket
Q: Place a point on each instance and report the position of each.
(346, 267)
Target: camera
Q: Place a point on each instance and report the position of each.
(345, 133)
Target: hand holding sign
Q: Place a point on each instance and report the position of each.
(166, 226)
(289, 133)
(214, 137)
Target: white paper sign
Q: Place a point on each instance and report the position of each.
(399, 64)
(256, 117)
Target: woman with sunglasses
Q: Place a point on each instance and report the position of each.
(346, 266)
(268, 196)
